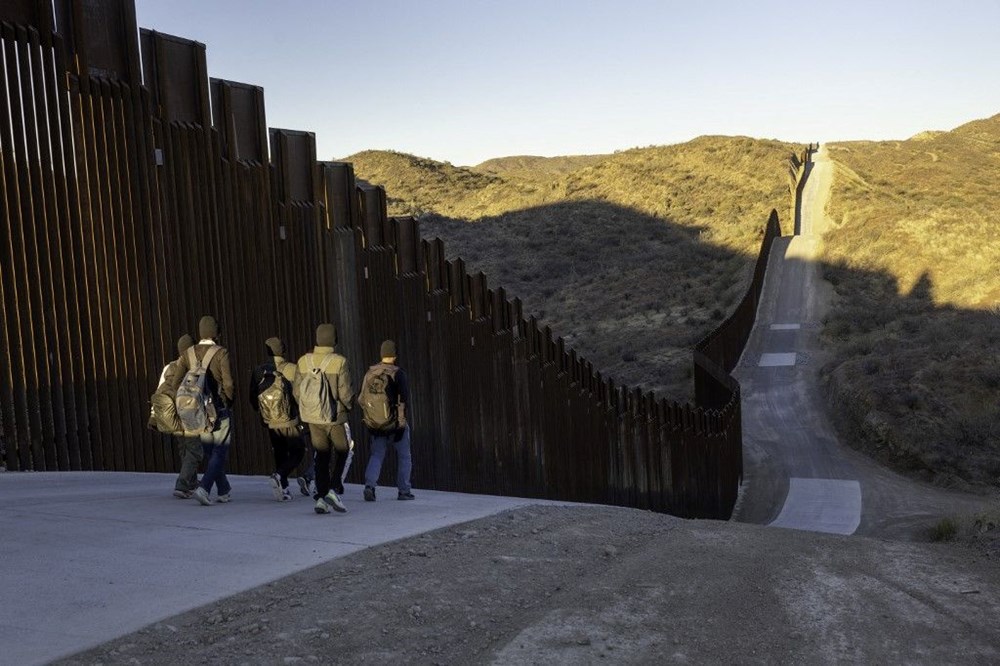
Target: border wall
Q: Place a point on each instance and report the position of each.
(138, 194)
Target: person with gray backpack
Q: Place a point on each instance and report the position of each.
(324, 394)
(384, 398)
(271, 396)
(204, 400)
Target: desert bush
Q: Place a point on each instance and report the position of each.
(945, 529)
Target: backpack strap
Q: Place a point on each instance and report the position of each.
(192, 359)
(209, 354)
(325, 363)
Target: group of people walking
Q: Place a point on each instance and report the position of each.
(304, 406)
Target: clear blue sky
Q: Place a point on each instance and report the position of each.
(467, 80)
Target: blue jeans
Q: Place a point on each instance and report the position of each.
(215, 444)
(403, 463)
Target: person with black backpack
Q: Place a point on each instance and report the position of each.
(163, 418)
(385, 394)
(325, 396)
(204, 400)
(271, 396)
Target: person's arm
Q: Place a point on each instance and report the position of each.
(171, 379)
(227, 388)
(297, 379)
(403, 386)
(254, 392)
(174, 374)
(345, 392)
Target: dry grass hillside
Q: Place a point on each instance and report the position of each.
(631, 257)
(915, 260)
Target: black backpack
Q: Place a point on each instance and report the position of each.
(380, 398)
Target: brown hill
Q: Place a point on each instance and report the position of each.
(532, 167)
(632, 257)
(915, 330)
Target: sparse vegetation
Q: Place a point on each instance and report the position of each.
(631, 257)
(945, 529)
(915, 330)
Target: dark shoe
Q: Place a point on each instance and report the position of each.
(183, 494)
(369, 494)
(405, 496)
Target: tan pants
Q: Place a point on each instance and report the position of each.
(324, 435)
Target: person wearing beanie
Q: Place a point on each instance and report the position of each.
(221, 391)
(386, 388)
(189, 448)
(325, 396)
(271, 396)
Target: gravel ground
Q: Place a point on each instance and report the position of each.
(583, 585)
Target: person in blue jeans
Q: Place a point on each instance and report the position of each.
(219, 384)
(399, 436)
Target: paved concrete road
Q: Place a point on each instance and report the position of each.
(91, 556)
(798, 477)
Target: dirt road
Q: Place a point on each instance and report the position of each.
(560, 585)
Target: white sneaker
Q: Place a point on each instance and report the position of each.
(275, 482)
(202, 496)
(224, 498)
(334, 501)
(286, 495)
(304, 486)
(322, 507)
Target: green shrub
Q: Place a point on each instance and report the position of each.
(945, 529)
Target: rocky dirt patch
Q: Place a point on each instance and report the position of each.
(567, 585)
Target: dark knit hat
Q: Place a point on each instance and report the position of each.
(388, 349)
(184, 343)
(208, 328)
(326, 335)
(275, 347)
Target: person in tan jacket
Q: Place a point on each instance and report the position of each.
(325, 415)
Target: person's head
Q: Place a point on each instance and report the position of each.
(388, 351)
(275, 347)
(184, 343)
(326, 335)
(208, 328)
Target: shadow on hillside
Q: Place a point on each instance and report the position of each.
(630, 292)
(915, 383)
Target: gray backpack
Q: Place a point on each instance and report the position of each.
(194, 402)
(316, 400)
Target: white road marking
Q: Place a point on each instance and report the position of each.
(773, 360)
(832, 506)
(785, 327)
